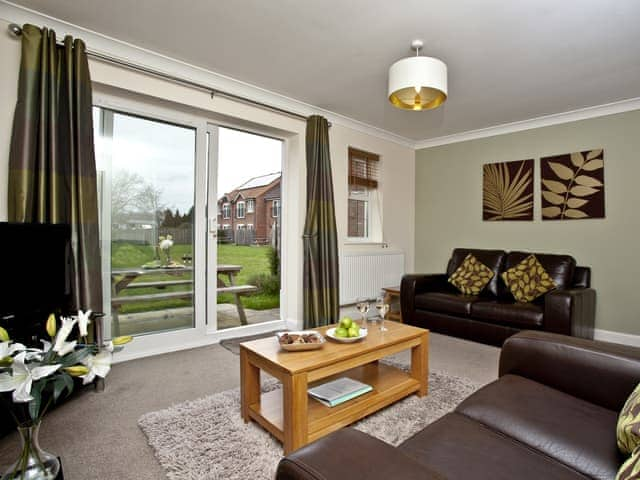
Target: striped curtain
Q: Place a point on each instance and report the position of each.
(321, 303)
(52, 168)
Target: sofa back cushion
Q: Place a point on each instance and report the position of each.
(493, 259)
(559, 267)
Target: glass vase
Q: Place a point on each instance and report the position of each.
(33, 463)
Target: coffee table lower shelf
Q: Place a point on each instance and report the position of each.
(390, 384)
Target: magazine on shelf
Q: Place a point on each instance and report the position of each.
(339, 391)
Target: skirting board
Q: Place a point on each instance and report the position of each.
(616, 337)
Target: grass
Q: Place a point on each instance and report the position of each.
(254, 260)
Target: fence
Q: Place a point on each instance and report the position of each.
(239, 237)
(181, 235)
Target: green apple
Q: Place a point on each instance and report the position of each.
(354, 331)
(346, 322)
(341, 332)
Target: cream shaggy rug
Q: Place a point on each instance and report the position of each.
(206, 439)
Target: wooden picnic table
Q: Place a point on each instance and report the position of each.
(123, 279)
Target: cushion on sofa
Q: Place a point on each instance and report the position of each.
(494, 259)
(521, 315)
(461, 448)
(471, 277)
(559, 267)
(452, 303)
(628, 427)
(528, 280)
(568, 429)
(630, 469)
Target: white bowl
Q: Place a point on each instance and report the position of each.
(331, 333)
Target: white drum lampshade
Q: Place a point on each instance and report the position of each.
(418, 83)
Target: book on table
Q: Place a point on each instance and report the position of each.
(338, 391)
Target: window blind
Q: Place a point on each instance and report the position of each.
(363, 169)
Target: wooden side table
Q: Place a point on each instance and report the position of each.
(392, 294)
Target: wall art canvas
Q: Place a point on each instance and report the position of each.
(507, 191)
(573, 185)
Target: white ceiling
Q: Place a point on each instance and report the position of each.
(508, 60)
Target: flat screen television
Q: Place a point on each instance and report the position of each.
(35, 263)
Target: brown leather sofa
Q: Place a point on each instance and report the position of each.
(551, 415)
(430, 301)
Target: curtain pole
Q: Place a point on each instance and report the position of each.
(16, 31)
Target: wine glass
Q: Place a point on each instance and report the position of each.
(362, 304)
(382, 308)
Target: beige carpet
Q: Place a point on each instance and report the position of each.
(97, 434)
(207, 439)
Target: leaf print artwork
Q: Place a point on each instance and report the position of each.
(573, 185)
(507, 191)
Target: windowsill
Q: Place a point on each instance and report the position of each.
(366, 242)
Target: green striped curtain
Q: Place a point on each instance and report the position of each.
(52, 168)
(321, 280)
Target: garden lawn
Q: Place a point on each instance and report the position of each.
(254, 261)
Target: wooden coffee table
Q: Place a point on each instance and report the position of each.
(293, 418)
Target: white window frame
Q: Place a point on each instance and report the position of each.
(250, 226)
(373, 210)
(276, 211)
(251, 205)
(242, 204)
(226, 210)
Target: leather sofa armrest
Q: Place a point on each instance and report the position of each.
(570, 312)
(416, 283)
(349, 453)
(598, 372)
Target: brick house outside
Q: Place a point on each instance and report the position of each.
(253, 206)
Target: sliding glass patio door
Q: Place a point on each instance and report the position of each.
(147, 173)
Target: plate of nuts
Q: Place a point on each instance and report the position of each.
(300, 340)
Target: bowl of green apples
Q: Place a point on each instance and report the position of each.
(347, 331)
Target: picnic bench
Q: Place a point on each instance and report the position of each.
(123, 279)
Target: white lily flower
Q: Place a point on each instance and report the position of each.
(67, 347)
(46, 345)
(63, 333)
(9, 348)
(83, 322)
(99, 366)
(23, 377)
(166, 244)
(34, 354)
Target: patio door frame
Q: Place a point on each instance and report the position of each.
(204, 330)
(172, 340)
(212, 224)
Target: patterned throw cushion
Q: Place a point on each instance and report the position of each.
(630, 470)
(528, 280)
(471, 276)
(628, 427)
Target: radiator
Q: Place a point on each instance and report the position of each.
(364, 274)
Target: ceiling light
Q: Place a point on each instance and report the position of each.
(418, 83)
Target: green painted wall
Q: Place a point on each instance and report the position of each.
(449, 208)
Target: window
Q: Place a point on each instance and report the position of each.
(240, 210)
(226, 226)
(240, 226)
(226, 210)
(251, 205)
(275, 209)
(363, 185)
(250, 226)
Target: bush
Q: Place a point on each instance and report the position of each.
(269, 284)
(274, 262)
